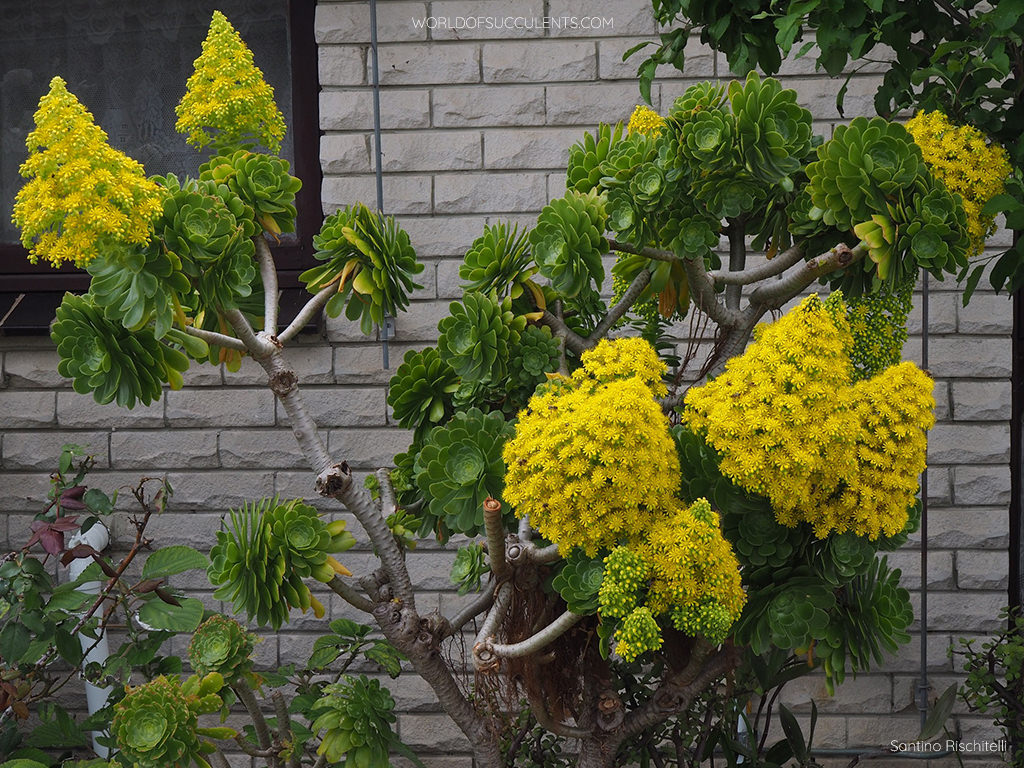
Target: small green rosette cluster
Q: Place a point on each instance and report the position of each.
(262, 182)
(371, 259)
(568, 242)
(220, 644)
(500, 261)
(103, 357)
(259, 563)
(356, 715)
(421, 391)
(476, 337)
(156, 725)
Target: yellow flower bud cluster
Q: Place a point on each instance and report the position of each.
(592, 460)
(792, 426)
(683, 568)
(82, 195)
(646, 121)
(963, 160)
(227, 102)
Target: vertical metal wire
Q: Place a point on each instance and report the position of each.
(922, 683)
(388, 326)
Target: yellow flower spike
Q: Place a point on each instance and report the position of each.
(646, 121)
(227, 102)
(82, 195)
(318, 607)
(339, 569)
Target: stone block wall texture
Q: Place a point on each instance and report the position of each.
(476, 126)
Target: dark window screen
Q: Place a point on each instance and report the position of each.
(127, 63)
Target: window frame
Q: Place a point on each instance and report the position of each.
(34, 290)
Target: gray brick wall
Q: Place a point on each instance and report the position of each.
(476, 126)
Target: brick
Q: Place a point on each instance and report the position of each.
(27, 409)
(431, 733)
(259, 449)
(881, 731)
(942, 308)
(871, 693)
(164, 449)
(229, 408)
(942, 401)
(977, 528)
(353, 109)
(419, 321)
(981, 400)
(483, 20)
(539, 61)
(411, 693)
(449, 284)
(982, 569)
(414, 64)
(364, 364)
(430, 570)
(33, 368)
(345, 153)
(312, 363)
(940, 485)
(368, 448)
(342, 65)
(940, 568)
(506, 192)
(969, 444)
(529, 148)
(818, 94)
(700, 60)
(448, 236)
(829, 731)
(300, 484)
(75, 410)
(488, 105)
(957, 611)
(987, 314)
(625, 17)
(590, 104)
(197, 530)
(981, 485)
(403, 194)
(218, 490)
(342, 406)
(908, 657)
(988, 357)
(41, 450)
(431, 151)
(350, 22)
(203, 375)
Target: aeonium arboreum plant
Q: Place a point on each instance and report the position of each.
(629, 566)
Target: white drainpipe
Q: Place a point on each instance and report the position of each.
(98, 538)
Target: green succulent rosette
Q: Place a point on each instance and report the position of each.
(262, 182)
(729, 194)
(458, 467)
(114, 364)
(579, 582)
(537, 352)
(469, 568)
(421, 390)
(210, 230)
(475, 338)
(356, 715)
(800, 614)
(156, 725)
(624, 158)
(137, 287)
(706, 140)
(863, 164)
(773, 131)
(220, 644)
(500, 260)
(260, 562)
(845, 555)
(371, 258)
(586, 157)
(700, 97)
(568, 242)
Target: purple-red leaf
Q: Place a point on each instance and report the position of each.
(147, 586)
(79, 550)
(167, 597)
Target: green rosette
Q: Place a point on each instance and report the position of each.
(475, 338)
(420, 392)
(568, 242)
(262, 182)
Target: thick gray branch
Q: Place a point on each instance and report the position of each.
(216, 339)
(258, 347)
(348, 593)
(615, 314)
(769, 268)
(573, 341)
(540, 639)
(774, 295)
(308, 312)
(737, 261)
(268, 274)
(482, 602)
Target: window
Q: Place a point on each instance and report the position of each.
(128, 63)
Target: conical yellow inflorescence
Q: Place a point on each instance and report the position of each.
(791, 425)
(82, 195)
(227, 102)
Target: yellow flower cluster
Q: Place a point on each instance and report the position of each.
(962, 159)
(82, 195)
(681, 567)
(592, 460)
(792, 426)
(228, 95)
(646, 121)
